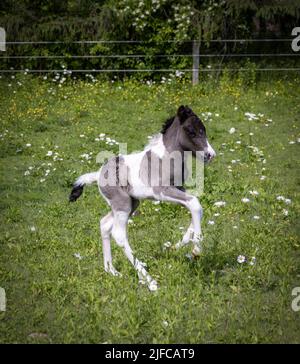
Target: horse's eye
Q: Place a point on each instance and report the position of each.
(190, 130)
(201, 131)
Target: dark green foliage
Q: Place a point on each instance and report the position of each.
(152, 22)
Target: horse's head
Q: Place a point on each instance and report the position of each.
(192, 135)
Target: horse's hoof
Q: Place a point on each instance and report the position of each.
(153, 286)
(196, 252)
(177, 246)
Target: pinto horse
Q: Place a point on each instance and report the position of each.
(126, 179)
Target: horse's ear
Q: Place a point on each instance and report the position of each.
(183, 113)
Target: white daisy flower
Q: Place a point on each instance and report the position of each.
(32, 228)
(78, 256)
(254, 193)
(211, 222)
(167, 245)
(220, 203)
(285, 212)
(252, 261)
(280, 198)
(241, 259)
(49, 154)
(165, 323)
(28, 145)
(251, 116)
(231, 130)
(256, 217)
(245, 200)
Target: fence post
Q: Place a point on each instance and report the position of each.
(2, 40)
(196, 50)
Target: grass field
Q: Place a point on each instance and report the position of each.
(50, 257)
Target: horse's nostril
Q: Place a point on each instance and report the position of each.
(210, 155)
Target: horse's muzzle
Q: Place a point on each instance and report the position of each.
(209, 153)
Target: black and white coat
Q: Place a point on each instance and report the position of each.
(134, 182)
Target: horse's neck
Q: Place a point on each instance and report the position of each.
(171, 137)
(167, 146)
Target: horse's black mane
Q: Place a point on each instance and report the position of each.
(167, 124)
(183, 113)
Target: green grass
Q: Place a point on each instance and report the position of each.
(54, 297)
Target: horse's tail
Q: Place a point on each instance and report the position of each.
(85, 179)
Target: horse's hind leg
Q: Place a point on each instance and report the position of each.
(123, 205)
(119, 233)
(106, 224)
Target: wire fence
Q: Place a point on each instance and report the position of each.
(148, 70)
(147, 42)
(146, 57)
(154, 56)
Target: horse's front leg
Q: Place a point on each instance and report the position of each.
(191, 202)
(196, 210)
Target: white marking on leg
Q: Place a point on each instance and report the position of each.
(106, 224)
(144, 276)
(193, 204)
(187, 237)
(196, 211)
(119, 233)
